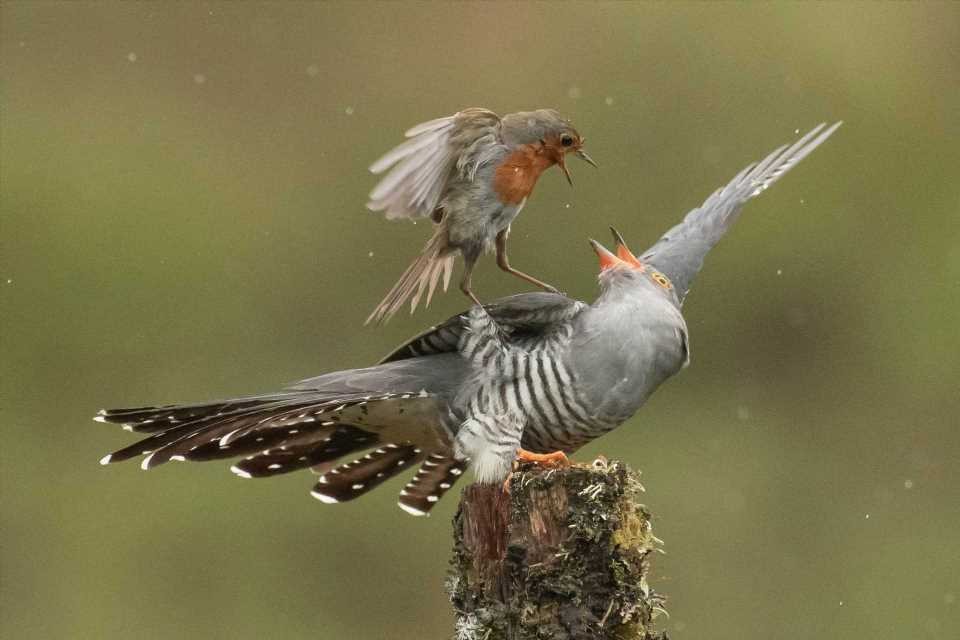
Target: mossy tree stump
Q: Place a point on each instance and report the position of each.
(563, 556)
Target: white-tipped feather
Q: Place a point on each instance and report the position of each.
(240, 472)
(106, 459)
(412, 510)
(323, 498)
(225, 440)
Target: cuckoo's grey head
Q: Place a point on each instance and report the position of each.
(548, 132)
(624, 272)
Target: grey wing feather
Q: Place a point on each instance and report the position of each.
(680, 252)
(440, 375)
(531, 312)
(420, 168)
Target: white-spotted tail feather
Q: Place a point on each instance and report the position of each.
(353, 479)
(437, 474)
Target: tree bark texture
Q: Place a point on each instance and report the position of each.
(563, 556)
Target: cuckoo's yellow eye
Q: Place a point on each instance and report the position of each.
(661, 279)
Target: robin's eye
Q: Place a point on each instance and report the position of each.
(566, 140)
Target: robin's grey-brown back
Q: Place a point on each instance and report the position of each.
(470, 173)
(535, 376)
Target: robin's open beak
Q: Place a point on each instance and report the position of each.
(566, 172)
(623, 252)
(583, 156)
(607, 260)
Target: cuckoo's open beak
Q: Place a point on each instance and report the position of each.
(607, 260)
(623, 252)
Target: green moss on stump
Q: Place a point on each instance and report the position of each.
(564, 556)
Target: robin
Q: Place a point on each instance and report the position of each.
(471, 173)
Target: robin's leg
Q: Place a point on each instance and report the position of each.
(466, 282)
(504, 263)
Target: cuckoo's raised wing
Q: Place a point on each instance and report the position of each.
(420, 168)
(519, 315)
(679, 253)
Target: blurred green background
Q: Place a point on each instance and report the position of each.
(183, 191)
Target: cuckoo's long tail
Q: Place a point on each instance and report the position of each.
(421, 276)
(288, 431)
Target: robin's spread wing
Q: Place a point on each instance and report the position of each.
(420, 168)
(680, 251)
(519, 315)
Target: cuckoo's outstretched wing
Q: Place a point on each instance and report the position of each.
(420, 168)
(680, 251)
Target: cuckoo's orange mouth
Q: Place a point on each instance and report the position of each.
(623, 252)
(607, 260)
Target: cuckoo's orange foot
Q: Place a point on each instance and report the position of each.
(555, 459)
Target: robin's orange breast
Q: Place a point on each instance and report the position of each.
(514, 179)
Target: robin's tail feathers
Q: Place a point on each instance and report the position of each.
(421, 276)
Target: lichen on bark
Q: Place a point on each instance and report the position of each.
(564, 556)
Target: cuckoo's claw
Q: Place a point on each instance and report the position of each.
(553, 460)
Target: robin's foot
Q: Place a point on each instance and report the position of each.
(475, 299)
(555, 459)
